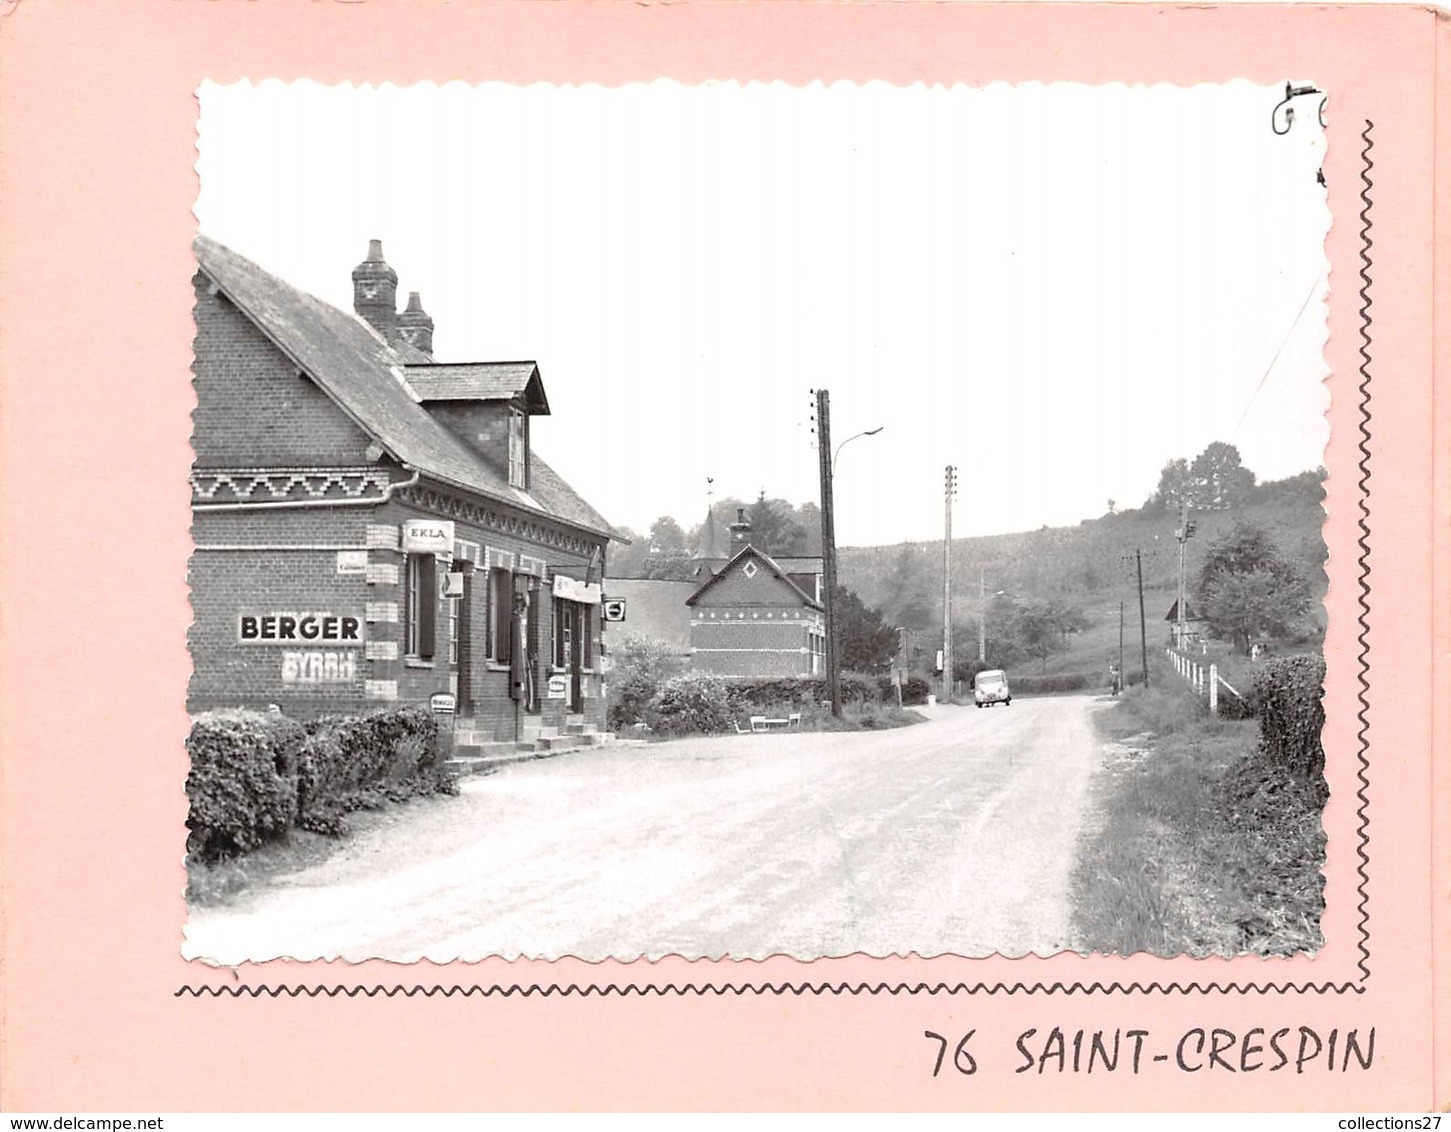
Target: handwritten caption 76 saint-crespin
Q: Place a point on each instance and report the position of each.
(1198, 1049)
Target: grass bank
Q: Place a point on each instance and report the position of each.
(1199, 844)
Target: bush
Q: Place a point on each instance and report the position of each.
(915, 690)
(639, 665)
(361, 762)
(243, 780)
(695, 703)
(1288, 698)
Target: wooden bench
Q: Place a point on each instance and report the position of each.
(762, 723)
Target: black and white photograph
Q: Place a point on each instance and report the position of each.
(734, 521)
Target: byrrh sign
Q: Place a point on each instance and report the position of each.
(298, 628)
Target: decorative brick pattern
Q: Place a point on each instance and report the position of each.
(381, 689)
(382, 650)
(383, 573)
(384, 536)
(381, 611)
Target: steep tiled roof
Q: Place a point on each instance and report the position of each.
(770, 565)
(364, 376)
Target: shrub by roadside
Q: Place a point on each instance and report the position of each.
(694, 703)
(243, 780)
(1204, 843)
(255, 775)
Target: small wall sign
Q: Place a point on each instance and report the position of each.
(558, 687)
(316, 666)
(572, 590)
(352, 562)
(614, 609)
(428, 536)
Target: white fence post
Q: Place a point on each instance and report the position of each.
(1214, 689)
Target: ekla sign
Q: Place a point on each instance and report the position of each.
(428, 536)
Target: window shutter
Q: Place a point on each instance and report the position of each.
(503, 598)
(427, 604)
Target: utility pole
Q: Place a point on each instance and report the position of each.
(947, 681)
(1143, 627)
(1183, 534)
(1121, 643)
(828, 542)
(981, 618)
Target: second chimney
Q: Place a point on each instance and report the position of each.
(375, 293)
(414, 325)
(739, 530)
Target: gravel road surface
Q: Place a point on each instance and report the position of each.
(955, 835)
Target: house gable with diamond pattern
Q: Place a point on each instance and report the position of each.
(752, 620)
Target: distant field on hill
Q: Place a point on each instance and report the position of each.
(1090, 566)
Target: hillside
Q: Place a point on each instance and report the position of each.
(1090, 566)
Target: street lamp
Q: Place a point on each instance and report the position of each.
(848, 440)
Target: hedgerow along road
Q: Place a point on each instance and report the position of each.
(957, 835)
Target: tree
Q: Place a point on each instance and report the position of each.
(626, 558)
(1173, 489)
(1247, 587)
(865, 643)
(1066, 619)
(774, 529)
(665, 534)
(639, 665)
(1037, 631)
(1217, 479)
(911, 589)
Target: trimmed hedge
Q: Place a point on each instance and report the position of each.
(1060, 682)
(854, 687)
(915, 690)
(255, 774)
(1288, 700)
(359, 762)
(243, 780)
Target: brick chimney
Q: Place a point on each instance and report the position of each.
(414, 325)
(375, 292)
(739, 530)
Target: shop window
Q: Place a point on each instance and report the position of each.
(420, 606)
(573, 620)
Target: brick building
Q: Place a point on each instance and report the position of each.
(743, 614)
(372, 526)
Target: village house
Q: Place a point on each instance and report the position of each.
(373, 527)
(740, 613)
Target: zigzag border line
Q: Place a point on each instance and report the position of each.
(589, 990)
(1363, 561)
(647, 990)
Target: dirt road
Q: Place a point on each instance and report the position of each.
(956, 835)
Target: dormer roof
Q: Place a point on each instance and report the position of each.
(479, 381)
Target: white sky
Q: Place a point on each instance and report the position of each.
(1056, 288)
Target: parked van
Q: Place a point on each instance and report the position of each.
(991, 687)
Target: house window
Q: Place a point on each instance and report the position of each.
(518, 449)
(564, 627)
(500, 611)
(420, 605)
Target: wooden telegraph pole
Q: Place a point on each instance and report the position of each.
(1143, 626)
(828, 543)
(947, 681)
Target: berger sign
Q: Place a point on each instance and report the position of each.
(297, 628)
(428, 536)
(572, 590)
